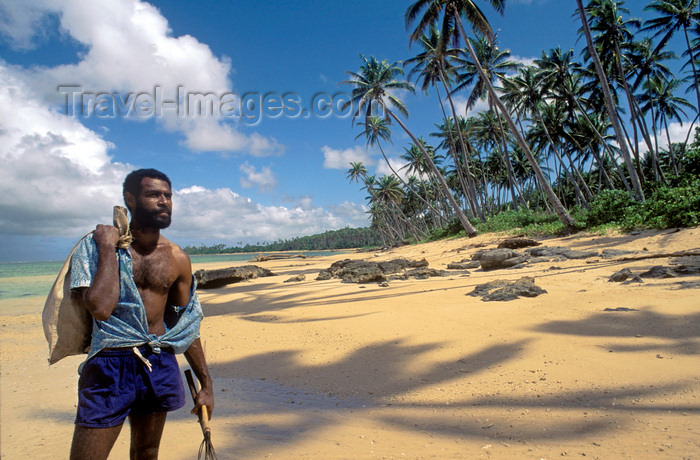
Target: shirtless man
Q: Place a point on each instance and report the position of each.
(144, 310)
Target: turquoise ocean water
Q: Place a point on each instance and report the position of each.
(30, 279)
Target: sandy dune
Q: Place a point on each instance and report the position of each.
(417, 369)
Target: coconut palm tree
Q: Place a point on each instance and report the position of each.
(673, 16)
(377, 129)
(372, 92)
(489, 130)
(614, 40)
(390, 193)
(358, 173)
(646, 62)
(610, 105)
(429, 12)
(431, 66)
(562, 81)
(659, 98)
(381, 216)
(495, 62)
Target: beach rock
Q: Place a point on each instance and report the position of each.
(689, 285)
(211, 279)
(687, 265)
(517, 243)
(296, 279)
(611, 253)
(633, 279)
(620, 276)
(397, 265)
(362, 271)
(620, 309)
(337, 266)
(503, 290)
(494, 259)
(561, 252)
(464, 264)
(425, 273)
(659, 271)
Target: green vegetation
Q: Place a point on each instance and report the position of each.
(566, 143)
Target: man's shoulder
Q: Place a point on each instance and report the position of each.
(180, 256)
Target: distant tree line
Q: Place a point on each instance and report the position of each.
(344, 238)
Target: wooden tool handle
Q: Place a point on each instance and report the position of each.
(203, 412)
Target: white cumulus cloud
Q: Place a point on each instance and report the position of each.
(396, 163)
(131, 50)
(48, 160)
(341, 159)
(264, 179)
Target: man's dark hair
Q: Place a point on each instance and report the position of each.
(132, 183)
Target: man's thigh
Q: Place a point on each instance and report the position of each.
(93, 443)
(146, 432)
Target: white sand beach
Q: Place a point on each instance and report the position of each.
(416, 369)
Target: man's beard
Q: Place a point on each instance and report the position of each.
(151, 219)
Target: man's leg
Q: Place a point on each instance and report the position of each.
(146, 431)
(93, 443)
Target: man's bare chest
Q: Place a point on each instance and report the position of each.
(154, 272)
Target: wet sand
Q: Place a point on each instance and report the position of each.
(418, 369)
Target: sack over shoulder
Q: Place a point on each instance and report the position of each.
(67, 323)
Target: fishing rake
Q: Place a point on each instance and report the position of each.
(206, 449)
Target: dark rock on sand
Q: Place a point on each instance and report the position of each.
(561, 252)
(210, 279)
(620, 276)
(517, 243)
(659, 271)
(687, 265)
(611, 253)
(494, 259)
(633, 279)
(620, 309)
(362, 271)
(425, 273)
(296, 279)
(464, 264)
(689, 285)
(502, 290)
(397, 265)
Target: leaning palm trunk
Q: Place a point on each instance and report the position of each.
(471, 188)
(555, 149)
(424, 201)
(610, 106)
(468, 227)
(566, 219)
(452, 148)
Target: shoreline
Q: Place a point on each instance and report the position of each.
(418, 369)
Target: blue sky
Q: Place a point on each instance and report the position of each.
(234, 181)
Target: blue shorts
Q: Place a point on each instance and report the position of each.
(115, 383)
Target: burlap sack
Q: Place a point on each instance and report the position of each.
(67, 323)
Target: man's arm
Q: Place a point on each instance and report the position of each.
(195, 357)
(180, 296)
(102, 296)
